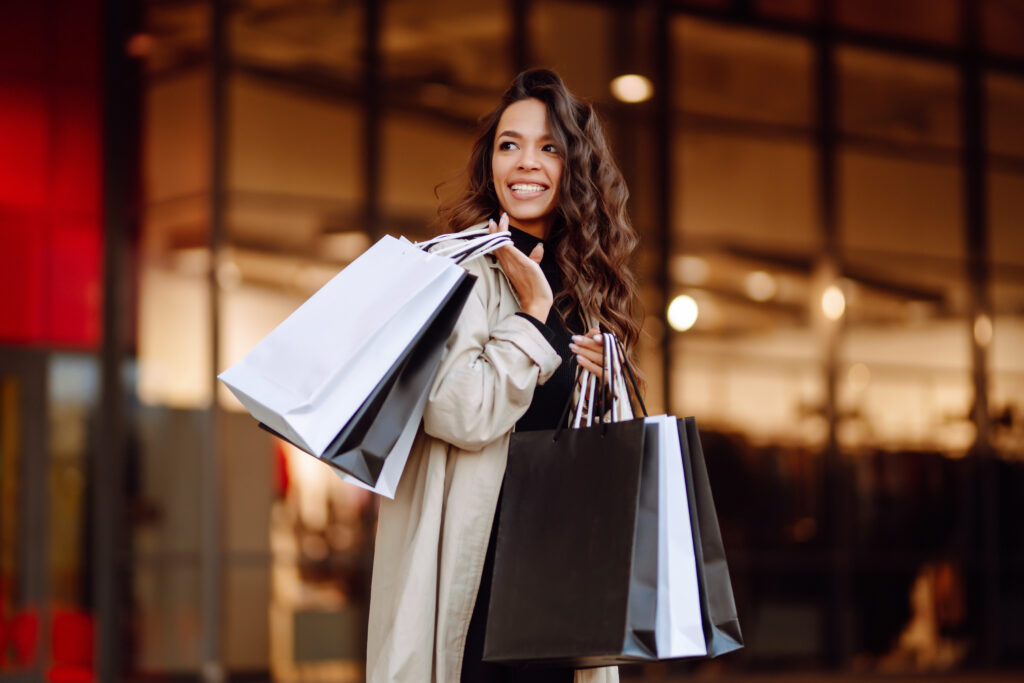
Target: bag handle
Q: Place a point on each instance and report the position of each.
(606, 397)
(463, 251)
(427, 245)
(482, 246)
(621, 357)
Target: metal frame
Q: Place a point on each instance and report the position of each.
(30, 368)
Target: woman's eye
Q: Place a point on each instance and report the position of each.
(506, 146)
(551, 149)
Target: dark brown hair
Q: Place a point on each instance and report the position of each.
(591, 236)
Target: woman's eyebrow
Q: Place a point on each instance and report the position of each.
(519, 136)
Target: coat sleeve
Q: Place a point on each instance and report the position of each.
(488, 375)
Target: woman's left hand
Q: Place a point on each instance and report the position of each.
(589, 350)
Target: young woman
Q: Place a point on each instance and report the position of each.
(542, 169)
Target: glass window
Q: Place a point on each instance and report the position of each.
(893, 209)
(803, 10)
(301, 40)
(453, 58)
(742, 74)
(1004, 105)
(582, 56)
(737, 190)
(419, 154)
(1006, 362)
(898, 99)
(930, 20)
(1002, 26)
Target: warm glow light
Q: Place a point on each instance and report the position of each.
(760, 285)
(690, 270)
(682, 313)
(983, 330)
(833, 303)
(632, 88)
(858, 376)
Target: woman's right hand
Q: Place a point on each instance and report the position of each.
(532, 288)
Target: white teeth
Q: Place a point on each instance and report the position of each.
(521, 187)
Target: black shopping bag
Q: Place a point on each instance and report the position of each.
(718, 607)
(576, 561)
(363, 444)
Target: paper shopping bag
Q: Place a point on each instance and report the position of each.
(310, 375)
(718, 607)
(575, 567)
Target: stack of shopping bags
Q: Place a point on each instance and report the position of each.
(346, 376)
(608, 548)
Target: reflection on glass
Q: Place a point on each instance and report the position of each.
(746, 191)
(1002, 25)
(898, 99)
(581, 56)
(931, 20)
(741, 74)
(300, 40)
(452, 58)
(1003, 105)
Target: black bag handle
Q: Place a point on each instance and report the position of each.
(629, 373)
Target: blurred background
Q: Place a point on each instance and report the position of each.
(829, 194)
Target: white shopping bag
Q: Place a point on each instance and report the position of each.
(308, 377)
(310, 374)
(679, 631)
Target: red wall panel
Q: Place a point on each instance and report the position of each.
(50, 173)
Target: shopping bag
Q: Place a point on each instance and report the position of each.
(323, 376)
(372, 448)
(558, 593)
(718, 607)
(575, 566)
(577, 552)
(679, 630)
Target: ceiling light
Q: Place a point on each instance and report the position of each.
(632, 88)
(682, 313)
(833, 302)
(760, 286)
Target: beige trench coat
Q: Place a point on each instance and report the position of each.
(432, 538)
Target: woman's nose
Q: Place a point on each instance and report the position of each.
(528, 159)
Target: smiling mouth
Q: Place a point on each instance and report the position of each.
(527, 188)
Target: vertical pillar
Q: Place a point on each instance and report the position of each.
(521, 57)
(372, 112)
(972, 117)
(828, 268)
(120, 87)
(212, 563)
(663, 191)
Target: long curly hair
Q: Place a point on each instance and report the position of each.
(591, 236)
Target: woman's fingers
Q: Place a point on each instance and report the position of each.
(589, 351)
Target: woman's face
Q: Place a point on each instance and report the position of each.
(526, 167)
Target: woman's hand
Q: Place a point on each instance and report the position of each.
(532, 288)
(589, 350)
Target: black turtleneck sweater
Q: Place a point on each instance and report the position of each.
(549, 398)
